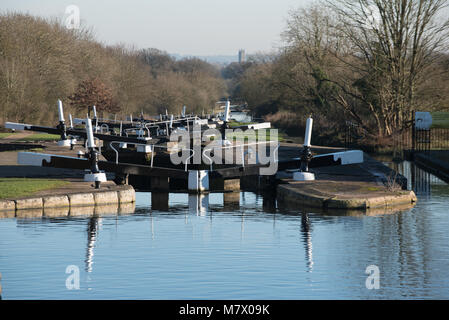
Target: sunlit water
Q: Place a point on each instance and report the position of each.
(244, 252)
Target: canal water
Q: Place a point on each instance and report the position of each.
(222, 250)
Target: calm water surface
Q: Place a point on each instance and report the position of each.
(246, 251)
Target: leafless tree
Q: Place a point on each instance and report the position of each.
(394, 42)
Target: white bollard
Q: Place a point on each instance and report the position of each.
(94, 177)
(303, 176)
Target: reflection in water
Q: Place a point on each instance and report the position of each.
(159, 201)
(231, 201)
(418, 180)
(307, 238)
(199, 204)
(248, 252)
(92, 232)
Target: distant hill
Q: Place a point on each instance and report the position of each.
(215, 59)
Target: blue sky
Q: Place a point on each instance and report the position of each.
(196, 27)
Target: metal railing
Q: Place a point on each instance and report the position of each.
(152, 147)
(242, 147)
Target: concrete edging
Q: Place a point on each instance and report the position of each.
(294, 195)
(124, 195)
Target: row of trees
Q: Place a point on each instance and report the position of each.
(371, 62)
(41, 61)
(367, 61)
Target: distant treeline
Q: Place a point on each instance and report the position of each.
(369, 63)
(42, 61)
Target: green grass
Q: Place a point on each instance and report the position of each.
(440, 119)
(233, 124)
(22, 187)
(42, 137)
(4, 134)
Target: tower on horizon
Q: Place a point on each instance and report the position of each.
(241, 56)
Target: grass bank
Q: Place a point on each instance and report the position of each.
(22, 187)
(4, 134)
(41, 137)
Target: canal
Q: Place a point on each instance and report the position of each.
(250, 250)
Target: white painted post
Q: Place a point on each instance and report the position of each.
(95, 112)
(64, 142)
(60, 111)
(90, 134)
(183, 113)
(72, 140)
(308, 134)
(227, 111)
(306, 176)
(93, 176)
(171, 121)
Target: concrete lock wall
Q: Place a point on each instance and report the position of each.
(81, 199)
(107, 197)
(58, 205)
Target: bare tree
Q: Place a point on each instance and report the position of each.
(93, 92)
(394, 42)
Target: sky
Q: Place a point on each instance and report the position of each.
(186, 27)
